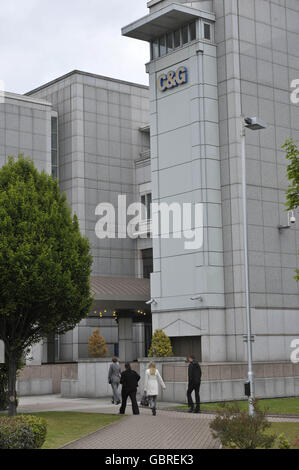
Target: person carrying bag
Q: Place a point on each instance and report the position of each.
(151, 386)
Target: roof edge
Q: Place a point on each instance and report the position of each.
(87, 74)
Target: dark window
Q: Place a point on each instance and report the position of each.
(185, 38)
(155, 49)
(177, 38)
(192, 31)
(146, 201)
(54, 145)
(162, 43)
(147, 259)
(169, 42)
(184, 346)
(207, 31)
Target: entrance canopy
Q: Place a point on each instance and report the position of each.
(162, 21)
(120, 292)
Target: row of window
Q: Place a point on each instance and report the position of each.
(175, 39)
(54, 146)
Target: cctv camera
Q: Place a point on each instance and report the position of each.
(292, 218)
(255, 123)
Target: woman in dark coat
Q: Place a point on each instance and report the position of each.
(129, 380)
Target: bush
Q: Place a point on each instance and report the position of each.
(282, 442)
(22, 432)
(161, 345)
(237, 430)
(97, 345)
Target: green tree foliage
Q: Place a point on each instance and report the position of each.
(292, 154)
(45, 263)
(236, 429)
(97, 345)
(161, 345)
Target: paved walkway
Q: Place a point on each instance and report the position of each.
(167, 430)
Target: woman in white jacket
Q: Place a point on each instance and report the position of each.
(151, 385)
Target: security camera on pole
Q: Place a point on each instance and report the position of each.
(253, 124)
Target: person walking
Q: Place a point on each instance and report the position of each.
(194, 380)
(129, 380)
(151, 386)
(114, 379)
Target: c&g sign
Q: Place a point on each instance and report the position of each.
(172, 79)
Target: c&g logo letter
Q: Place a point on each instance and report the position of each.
(172, 79)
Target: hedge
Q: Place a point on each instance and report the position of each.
(22, 432)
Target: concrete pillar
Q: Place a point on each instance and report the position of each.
(125, 339)
(139, 340)
(76, 343)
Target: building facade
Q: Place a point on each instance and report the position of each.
(178, 141)
(241, 58)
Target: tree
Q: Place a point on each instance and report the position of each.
(161, 345)
(45, 263)
(292, 154)
(97, 345)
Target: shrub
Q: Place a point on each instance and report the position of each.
(236, 429)
(282, 442)
(38, 426)
(22, 432)
(161, 345)
(97, 345)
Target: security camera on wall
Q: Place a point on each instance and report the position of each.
(291, 221)
(291, 218)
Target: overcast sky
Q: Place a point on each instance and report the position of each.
(43, 39)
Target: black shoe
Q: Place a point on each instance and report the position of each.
(154, 412)
(197, 411)
(191, 410)
(118, 403)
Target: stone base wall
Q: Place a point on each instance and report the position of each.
(220, 381)
(31, 379)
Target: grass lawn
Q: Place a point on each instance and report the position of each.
(275, 406)
(64, 427)
(291, 431)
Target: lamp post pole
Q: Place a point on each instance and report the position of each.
(246, 272)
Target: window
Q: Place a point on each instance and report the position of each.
(148, 266)
(192, 31)
(185, 37)
(162, 44)
(183, 346)
(155, 49)
(169, 42)
(146, 201)
(174, 39)
(177, 38)
(207, 31)
(54, 147)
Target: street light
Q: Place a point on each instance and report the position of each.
(253, 124)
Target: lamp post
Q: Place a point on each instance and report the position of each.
(253, 124)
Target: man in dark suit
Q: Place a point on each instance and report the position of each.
(129, 380)
(194, 380)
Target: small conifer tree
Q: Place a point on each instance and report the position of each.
(161, 345)
(97, 345)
